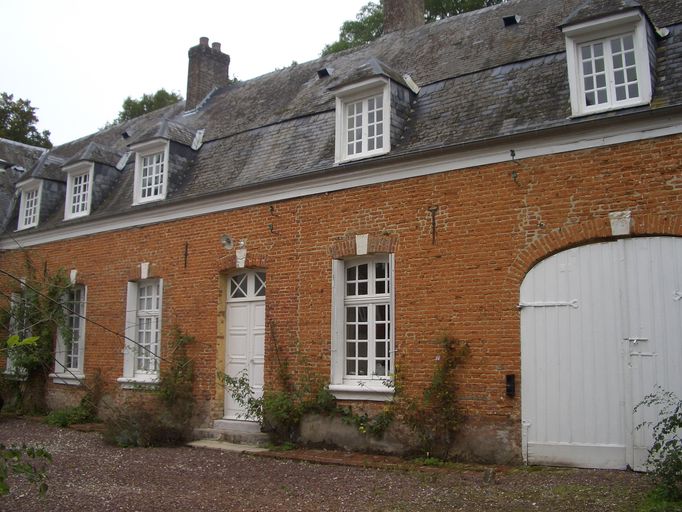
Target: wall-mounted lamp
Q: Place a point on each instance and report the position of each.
(227, 242)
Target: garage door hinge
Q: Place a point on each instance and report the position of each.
(572, 303)
(677, 296)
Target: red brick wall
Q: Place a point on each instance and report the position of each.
(492, 225)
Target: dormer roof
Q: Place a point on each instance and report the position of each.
(166, 130)
(372, 68)
(97, 153)
(593, 9)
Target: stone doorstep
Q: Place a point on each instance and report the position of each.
(235, 432)
(215, 444)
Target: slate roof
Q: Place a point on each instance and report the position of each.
(479, 81)
(16, 160)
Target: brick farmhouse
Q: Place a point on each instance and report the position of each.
(509, 177)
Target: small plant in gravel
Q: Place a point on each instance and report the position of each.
(665, 456)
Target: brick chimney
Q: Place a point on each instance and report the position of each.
(402, 14)
(208, 68)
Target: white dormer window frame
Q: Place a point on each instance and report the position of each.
(78, 189)
(608, 63)
(29, 206)
(151, 171)
(363, 120)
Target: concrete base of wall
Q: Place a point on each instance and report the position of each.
(477, 441)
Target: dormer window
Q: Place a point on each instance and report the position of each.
(78, 190)
(363, 120)
(29, 207)
(608, 63)
(151, 171)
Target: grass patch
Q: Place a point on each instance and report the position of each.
(657, 501)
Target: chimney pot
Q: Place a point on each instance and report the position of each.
(216, 46)
(203, 41)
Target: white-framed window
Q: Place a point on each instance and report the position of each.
(29, 206)
(608, 63)
(78, 190)
(143, 332)
(363, 328)
(69, 355)
(363, 120)
(151, 171)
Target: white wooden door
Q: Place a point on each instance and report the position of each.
(245, 351)
(597, 324)
(654, 332)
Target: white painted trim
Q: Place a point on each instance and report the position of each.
(30, 185)
(630, 22)
(146, 149)
(69, 379)
(138, 382)
(357, 92)
(493, 153)
(368, 392)
(78, 169)
(600, 456)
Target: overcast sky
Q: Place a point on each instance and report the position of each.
(77, 60)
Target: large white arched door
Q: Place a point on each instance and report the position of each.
(601, 327)
(245, 319)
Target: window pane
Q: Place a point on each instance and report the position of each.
(350, 349)
(362, 367)
(620, 93)
(628, 42)
(238, 286)
(633, 90)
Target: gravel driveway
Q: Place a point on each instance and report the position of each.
(88, 475)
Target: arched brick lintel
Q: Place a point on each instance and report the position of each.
(596, 230)
(228, 264)
(375, 244)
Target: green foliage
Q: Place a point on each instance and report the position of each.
(168, 424)
(368, 24)
(35, 319)
(665, 456)
(280, 411)
(25, 461)
(144, 428)
(17, 122)
(69, 416)
(85, 412)
(435, 418)
(133, 108)
(374, 426)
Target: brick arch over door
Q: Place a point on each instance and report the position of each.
(596, 230)
(228, 264)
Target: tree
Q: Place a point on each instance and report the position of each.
(17, 122)
(369, 22)
(367, 26)
(132, 108)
